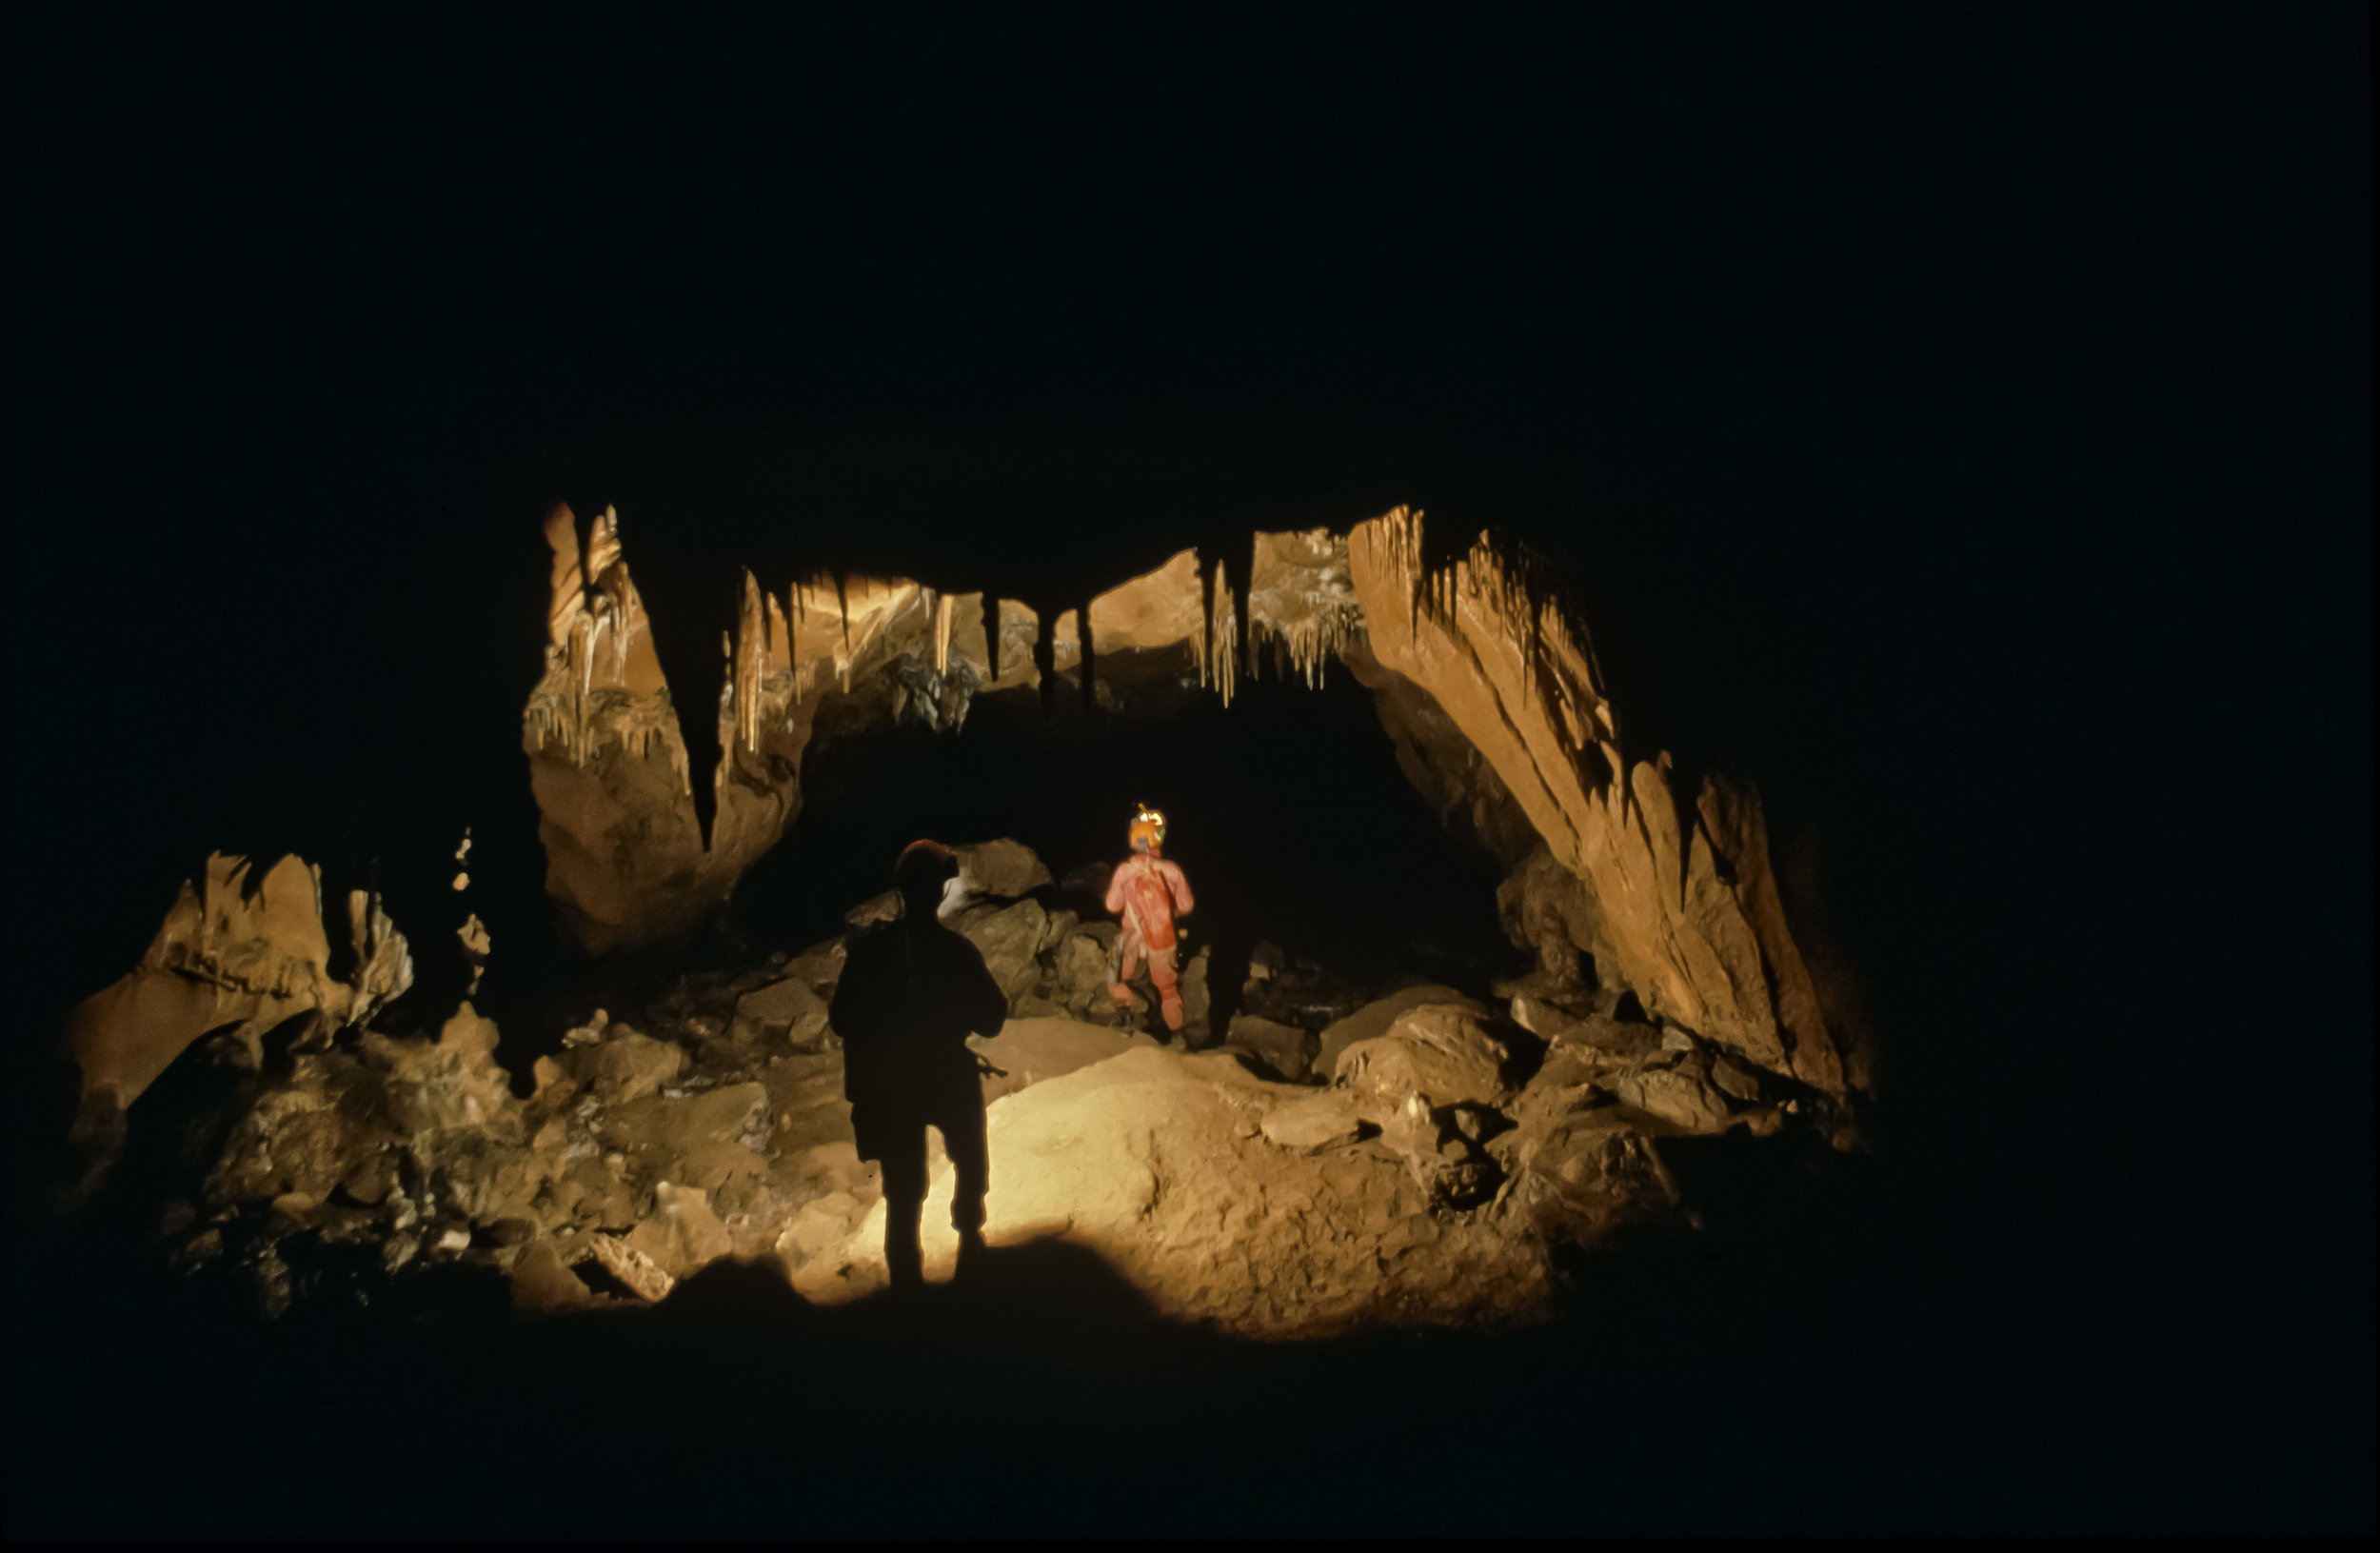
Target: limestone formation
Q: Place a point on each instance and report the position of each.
(627, 863)
(1151, 631)
(250, 951)
(1485, 683)
(1301, 602)
(1679, 881)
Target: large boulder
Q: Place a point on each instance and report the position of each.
(820, 967)
(454, 1082)
(1310, 1126)
(1373, 1020)
(1438, 1051)
(1010, 938)
(1003, 867)
(1157, 1162)
(1079, 966)
(1678, 1095)
(1581, 1161)
(790, 1008)
(1546, 911)
(1287, 1049)
(628, 1065)
(683, 1234)
(1030, 1052)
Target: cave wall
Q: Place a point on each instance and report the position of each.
(628, 864)
(1685, 911)
(1486, 687)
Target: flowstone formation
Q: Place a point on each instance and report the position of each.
(1347, 1157)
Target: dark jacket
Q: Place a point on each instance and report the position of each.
(911, 993)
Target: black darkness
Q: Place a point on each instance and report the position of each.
(1959, 414)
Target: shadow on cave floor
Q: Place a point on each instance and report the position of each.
(1042, 1395)
(1858, 1358)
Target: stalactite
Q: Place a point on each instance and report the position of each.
(1225, 654)
(1509, 598)
(1303, 606)
(843, 608)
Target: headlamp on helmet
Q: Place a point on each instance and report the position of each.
(1148, 830)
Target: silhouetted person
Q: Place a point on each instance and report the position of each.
(912, 992)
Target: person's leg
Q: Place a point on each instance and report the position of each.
(1168, 990)
(1127, 964)
(962, 1121)
(904, 1205)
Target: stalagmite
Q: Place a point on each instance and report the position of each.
(1221, 665)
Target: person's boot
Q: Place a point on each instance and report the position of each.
(972, 1255)
(904, 1256)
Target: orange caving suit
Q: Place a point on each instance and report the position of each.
(1146, 892)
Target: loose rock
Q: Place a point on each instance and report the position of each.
(1004, 868)
(1315, 1123)
(1438, 1051)
(1286, 1048)
(1374, 1019)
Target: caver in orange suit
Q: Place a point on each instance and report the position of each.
(1148, 893)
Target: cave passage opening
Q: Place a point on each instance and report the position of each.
(1287, 811)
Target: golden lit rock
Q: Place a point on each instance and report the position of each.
(247, 952)
(1681, 884)
(1160, 1164)
(1301, 602)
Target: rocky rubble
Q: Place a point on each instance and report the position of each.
(1343, 1157)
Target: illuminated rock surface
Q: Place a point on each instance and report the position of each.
(1487, 688)
(1424, 1180)
(1159, 1162)
(248, 950)
(628, 864)
(1683, 907)
(1349, 1153)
